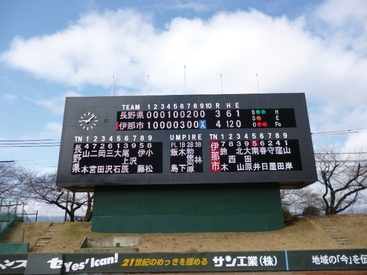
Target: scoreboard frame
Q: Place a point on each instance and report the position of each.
(186, 139)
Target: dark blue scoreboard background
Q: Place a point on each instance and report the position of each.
(186, 139)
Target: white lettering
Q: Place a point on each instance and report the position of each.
(75, 267)
(128, 107)
(99, 262)
(186, 137)
(67, 266)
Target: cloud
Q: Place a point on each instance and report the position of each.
(56, 104)
(326, 62)
(53, 126)
(355, 142)
(340, 13)
(345, 23)
(239, 45)
(51, 130)
(191, 5)
(10, 97)
(88, 52)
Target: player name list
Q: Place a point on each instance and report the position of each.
(186, 157)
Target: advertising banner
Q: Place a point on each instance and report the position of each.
(13, 263)
(352, 259)
(84, 263)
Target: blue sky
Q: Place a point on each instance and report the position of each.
(53, 49)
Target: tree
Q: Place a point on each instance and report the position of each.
(343, 176)
(43, 189)
(297, 200)
(88, 213)
(9, 180)
(310, 211)
(289, 199)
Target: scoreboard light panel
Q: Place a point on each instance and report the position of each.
(186, 139)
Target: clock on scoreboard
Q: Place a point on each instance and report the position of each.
(186, 139)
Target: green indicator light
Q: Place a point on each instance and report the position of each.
(258, 112)
(263, 112)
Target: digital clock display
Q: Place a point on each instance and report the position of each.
(186, 139)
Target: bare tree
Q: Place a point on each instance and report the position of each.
(344, 177)
(289, 199)
(89, 211)
(43, 189)
(9, 180)
(297, 200)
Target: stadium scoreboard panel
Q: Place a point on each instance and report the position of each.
(186, 139)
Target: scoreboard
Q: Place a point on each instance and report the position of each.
(186, 139)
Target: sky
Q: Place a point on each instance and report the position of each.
(53, 49)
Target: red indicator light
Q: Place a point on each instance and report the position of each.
(262, 124)
(117, 126)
